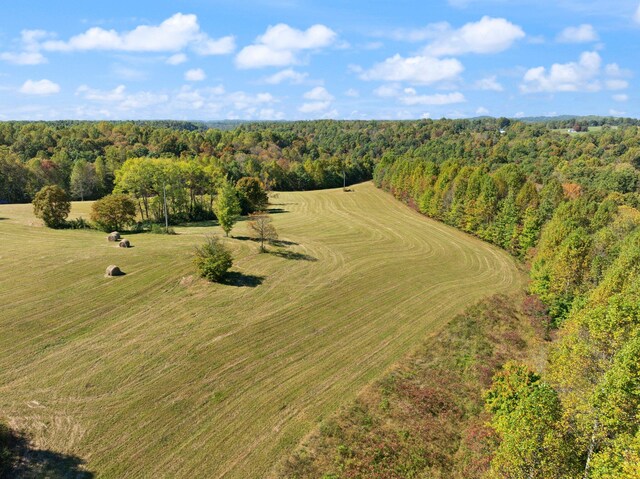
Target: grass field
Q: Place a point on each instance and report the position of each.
(159, 374)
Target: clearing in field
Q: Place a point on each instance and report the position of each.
(157, 373)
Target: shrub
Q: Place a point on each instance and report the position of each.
(78, 224)
(51, 204)
(212, 259)
(161, 229)
(113, 212)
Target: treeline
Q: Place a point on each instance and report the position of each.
(83, 157)
(569, 207)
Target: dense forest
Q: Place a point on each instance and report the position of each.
(566, 204)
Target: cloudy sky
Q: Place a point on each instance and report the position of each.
(304, 59)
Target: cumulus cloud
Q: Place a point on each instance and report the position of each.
(176, 59)
(121, 99)
(420, 69)
(23, 58)
(410, 97)
(318, 93)
(564, 77)
(117, 94)
(584, 33)
(289, 75)
(482, 111)
(636, 17)
(314, 107)
(281, 44)
(490, 83)
(616, 84)
(387, 91)
(488, 35)
(39, 87)
(172, 35)
(320, 101)
(195, 74)
(620, 97)
(29, 53)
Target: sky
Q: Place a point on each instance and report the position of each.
(304, 59)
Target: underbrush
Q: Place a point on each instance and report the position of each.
(426, 418)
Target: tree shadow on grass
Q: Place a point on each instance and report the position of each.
(273, 242)
(235, 278)
(33, 463)
(293, 255)
(275, 211)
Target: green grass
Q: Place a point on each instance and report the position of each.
(160, 374)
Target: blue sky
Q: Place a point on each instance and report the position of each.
(303, 59)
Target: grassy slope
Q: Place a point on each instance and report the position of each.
(156, 374)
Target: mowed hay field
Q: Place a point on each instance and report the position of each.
(160, 374)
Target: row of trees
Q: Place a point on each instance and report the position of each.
(83, 157)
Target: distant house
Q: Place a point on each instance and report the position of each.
(571, 130)
(502, 132)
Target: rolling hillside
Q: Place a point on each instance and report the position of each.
(159, 374)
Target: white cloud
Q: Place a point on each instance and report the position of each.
(195, 74)
(482, 111)
(410, 97)
(221, 46)
(489, 83)
(270, 114)
(636, 17)
(584, 33)
(172, 35)
(563, 77)
(280, 44)
(616, 84)
(613, 112)
(288, 75)
(120, 99)
(488, 35)
(314, 107)
(520, 114)
(29, 54)
(39, 87)
(177, 59)
(387, 91)
(620, 97)
(117, 94)
(23, 58)
(319, 93)
(352, 92)
(419, 69)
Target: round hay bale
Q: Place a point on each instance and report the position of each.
(113, 236)
(113, 270)
(124, 244)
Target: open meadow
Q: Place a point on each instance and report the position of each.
(160, 374)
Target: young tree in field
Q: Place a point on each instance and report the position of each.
(113, 212)
(212, 259)
(51, 204)
(260, 224)
(83, 179)
(227, 207)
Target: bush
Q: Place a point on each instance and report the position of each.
(51, 204)
(78, 224)
(113, 212)
(212, 259)
(161, 229)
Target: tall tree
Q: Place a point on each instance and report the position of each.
(227, 207)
